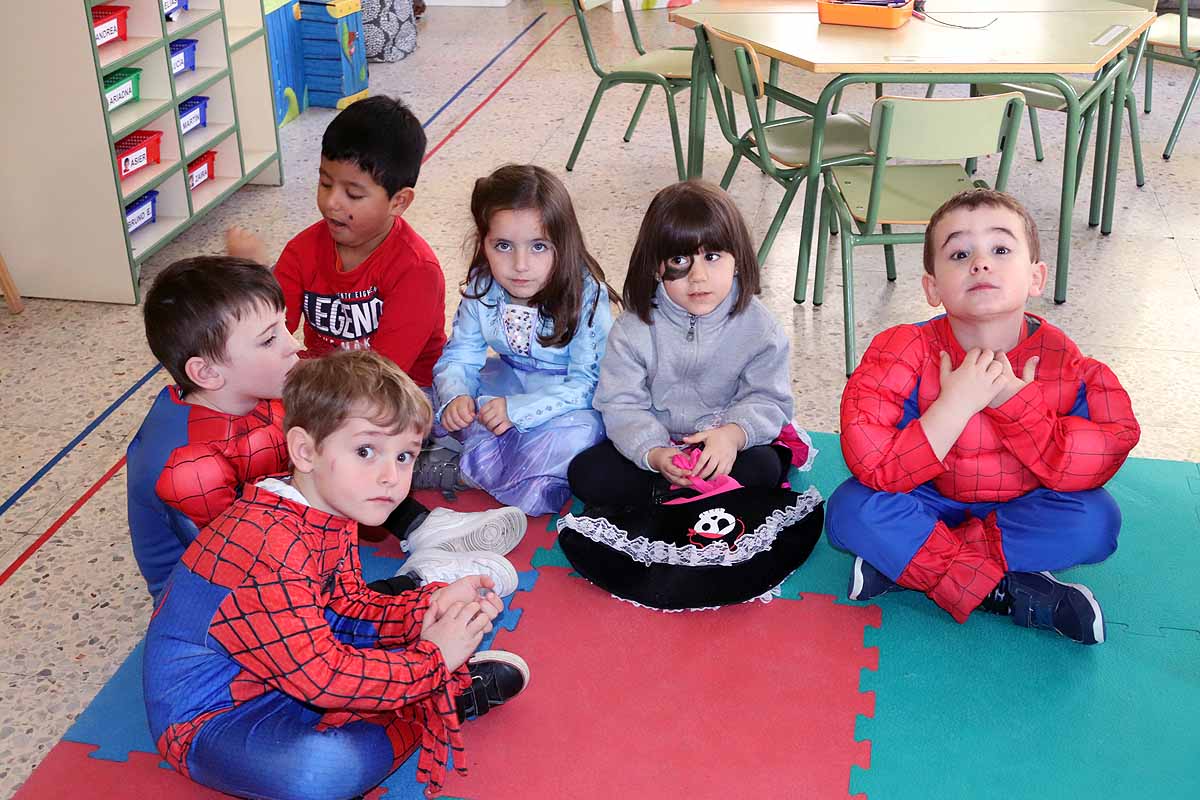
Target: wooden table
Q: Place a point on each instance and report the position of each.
(1032, 41)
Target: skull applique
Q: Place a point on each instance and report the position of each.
(716, 525)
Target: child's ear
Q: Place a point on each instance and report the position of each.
(1041, 274)
(204, 373)
(929, 284)
(302, 450)
(401, 200)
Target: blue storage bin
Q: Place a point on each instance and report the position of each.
(171, 6)
(193, 113)
(183, 55)
(142, 211)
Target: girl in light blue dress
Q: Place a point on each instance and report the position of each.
(536, 297)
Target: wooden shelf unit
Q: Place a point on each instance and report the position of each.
(62, 208)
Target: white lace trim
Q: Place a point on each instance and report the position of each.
(649, 551)
(765, 597)
(811, 458)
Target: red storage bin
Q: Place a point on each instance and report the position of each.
(109, 24)
(138, 149)
(201, 169)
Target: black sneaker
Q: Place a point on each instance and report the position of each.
(1039, 600)
(867, 582)
(497, 676)
(437, 468)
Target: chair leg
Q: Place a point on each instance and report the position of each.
(764, 249)
(889, 256)
(1100, 162)
(9, 288)
(848, 301)
(734, 162)
(1183, 113)
(1036, 130)
(837, 102)
(930, 89)
(1149, 78)
(822, 248)
(637, 112)
(774, 79)
(1088, 119)
(1135, 139)
(680, 167)
(587, 123)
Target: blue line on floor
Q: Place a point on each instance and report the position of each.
(482, 70)
(71, 445)
(37, 476)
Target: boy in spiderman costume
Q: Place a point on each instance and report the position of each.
(979, 441)
(217, 324)
(271, 670)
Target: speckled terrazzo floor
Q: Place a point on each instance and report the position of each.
(76, 608)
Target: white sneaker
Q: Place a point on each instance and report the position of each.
(496, 531)
(447, 566)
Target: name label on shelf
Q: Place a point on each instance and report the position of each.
(120, 95)
(107, 32)
(198, 176)
(190, 120)
(169, 6)
(134, 160)
(178, 63)
(140, 217)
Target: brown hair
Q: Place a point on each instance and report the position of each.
(683, 219)
(972, 199)
(516, 187)
(192, 302)
(321, 392)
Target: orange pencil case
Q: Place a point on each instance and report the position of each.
(864, 16)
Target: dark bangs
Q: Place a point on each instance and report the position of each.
(683, 219)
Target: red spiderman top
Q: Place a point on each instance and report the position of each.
(249, 611)
(1069, 430)
(223, 452)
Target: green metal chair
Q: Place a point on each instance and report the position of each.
(883, 194)
(671, 69)
(1047, 98)
(1171, 31)
(778, 147)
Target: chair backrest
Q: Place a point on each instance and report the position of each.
(724, 49)
(944, 129)
(581, 7)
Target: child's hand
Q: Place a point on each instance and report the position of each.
(971, 387)
(494, 415)
(469, 589)
(459, 413)
(457, 632)
(241, 243)
(720, 449)
(1010, 384)
(659, 459)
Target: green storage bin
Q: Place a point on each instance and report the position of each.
(121, 86)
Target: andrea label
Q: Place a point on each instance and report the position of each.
(107, 31)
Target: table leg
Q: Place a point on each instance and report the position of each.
(698, 107)
(1114, 148)
(1067, 203)
(1100, 162)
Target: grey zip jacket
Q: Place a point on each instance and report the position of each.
(684, 373)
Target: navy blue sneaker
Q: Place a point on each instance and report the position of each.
(867, 582)
(497, 676)
(1039, 600)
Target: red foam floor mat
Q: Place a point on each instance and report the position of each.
(757, 700)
